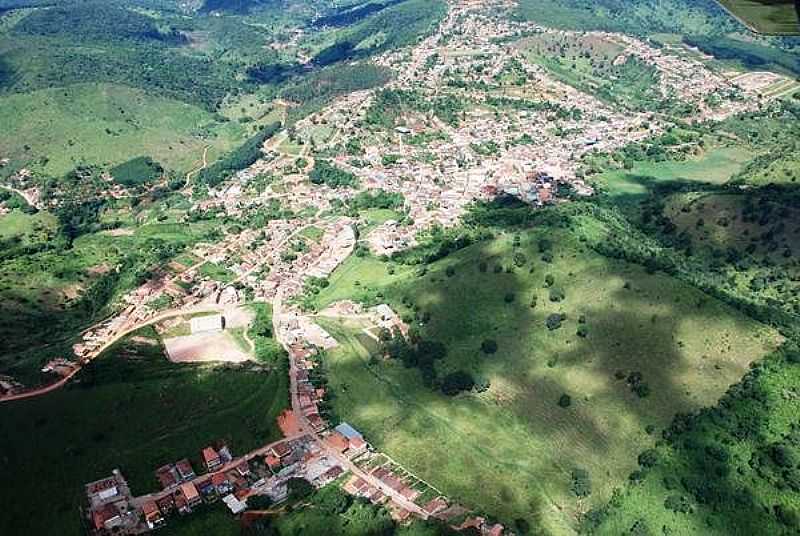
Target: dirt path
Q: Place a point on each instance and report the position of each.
(22, 194)
(203, 165)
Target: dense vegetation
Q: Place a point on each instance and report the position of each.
(138, 171)
(238, 159)
(330, 175)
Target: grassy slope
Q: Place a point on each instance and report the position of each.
(510, 450)
(766, 16)
(749, 487)
(71, 126)
(141, 412)
(715, 166)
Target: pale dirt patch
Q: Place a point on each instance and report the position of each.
(239, 317)
(144, 340)
(99, 269)
(71, 292)
(205, 348)
(119, 232)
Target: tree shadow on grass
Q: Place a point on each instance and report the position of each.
(607, 421)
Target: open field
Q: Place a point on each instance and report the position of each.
(216, 272)
(21, 225)
(510, 450)
(205, 348)
(715, 166)
(718, 220)
(132, 410)
(53, 130)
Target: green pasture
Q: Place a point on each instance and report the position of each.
(54, 130)
(511, 449)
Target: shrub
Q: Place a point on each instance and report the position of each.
(258, 502)
(299, 488)
(565, 401)
(509, 297)
(581, 484)
(489, 346)
(678, 503)
(332, 176)
(554, 321)
(456, 382)
(556, 294)
(583, 331)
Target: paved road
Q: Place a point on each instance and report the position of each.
(305, 426)
(261, 451)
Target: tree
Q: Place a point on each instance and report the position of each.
(565, 401)
(556, 294)
(553, 321)
(456, 382)
(258, 502)
(489, 346)
(581, 484)
(299, 488)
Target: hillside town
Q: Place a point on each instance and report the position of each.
(524, 140)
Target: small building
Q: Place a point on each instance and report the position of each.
(317, 422)
(106, 518)
(225, 455)
(190, 493)
(222, 483)
(273, 462)
(152, 515)
(338, 441)
(166, 504)
(185, 471)
(281, 450)
(243, 468)
(167, 476)
(102, 490)
(211, 458)
(348, 431)
(330, 475)
(234, 505)
(206, 488)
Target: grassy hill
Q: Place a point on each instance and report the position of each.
(511, 450)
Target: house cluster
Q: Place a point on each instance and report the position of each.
(265, 471)
(111, 507)
(60, 367)
(309, 396)
(384, 317)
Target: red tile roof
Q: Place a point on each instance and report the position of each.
(151, 511)
(338, 441)
(210, 456)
